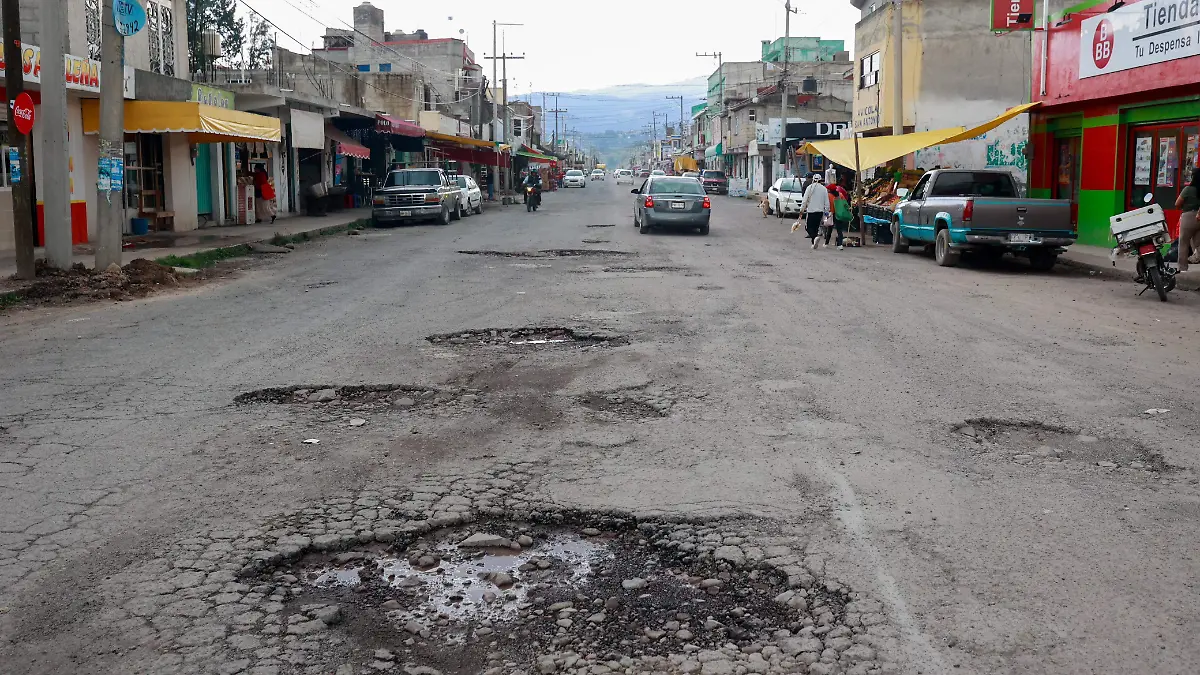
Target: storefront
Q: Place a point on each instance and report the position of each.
(161, 144)
(1120, 113)
(471, 156)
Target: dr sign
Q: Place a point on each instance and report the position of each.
(1142, 34)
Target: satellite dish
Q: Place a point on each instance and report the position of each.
(461, 31)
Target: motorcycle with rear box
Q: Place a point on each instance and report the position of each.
(1143, 232)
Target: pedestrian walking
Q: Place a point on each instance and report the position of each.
(840, 214)
(264, 194)
(1189, 226)
(813, 209)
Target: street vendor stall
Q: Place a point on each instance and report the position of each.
(864, 153)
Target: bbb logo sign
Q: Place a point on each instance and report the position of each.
(1102, 44)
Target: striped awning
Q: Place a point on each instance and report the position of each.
(346, 145)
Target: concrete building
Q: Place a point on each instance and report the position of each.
(956, 72)
(800, 49)
(160, 176)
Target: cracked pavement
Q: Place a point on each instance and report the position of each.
(963, 453)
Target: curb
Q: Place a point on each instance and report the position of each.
(1185, 282)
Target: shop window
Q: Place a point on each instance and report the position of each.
(385, 67)
(154, 37)
(166, 20)
(1161, 160)
(868, 71)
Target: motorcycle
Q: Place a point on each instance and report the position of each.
(1143, 232)
(533, 198)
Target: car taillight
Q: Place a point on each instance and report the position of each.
(649, 203)
(707, 204)
(432, 198)
(969, 210)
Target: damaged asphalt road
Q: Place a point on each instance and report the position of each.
(678, 454)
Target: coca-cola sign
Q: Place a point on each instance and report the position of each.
(22, 113)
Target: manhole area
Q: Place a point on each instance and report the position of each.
(364, 397)
(1038, 444)
(554, 253)
(460, 600)
(526, 337)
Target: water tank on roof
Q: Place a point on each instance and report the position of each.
(211, 40)
(809, 86)
(421, 34)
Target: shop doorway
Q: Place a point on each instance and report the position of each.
(144, 191)
(1162, 158)
(1069, 172)
(204, 182)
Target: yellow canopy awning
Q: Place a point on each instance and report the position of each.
(876, 150)
(460, 140)
(202, 123)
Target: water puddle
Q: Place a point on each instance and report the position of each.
(524, 337)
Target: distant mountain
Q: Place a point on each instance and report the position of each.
(628, 107)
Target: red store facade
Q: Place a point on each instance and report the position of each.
(1120, 113)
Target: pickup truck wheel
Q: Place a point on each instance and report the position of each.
(444, 218)
(942, 253)
(899, 244)
(1042, 260)
(456, 213)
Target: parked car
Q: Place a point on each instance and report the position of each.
(624, 176)
(671, 202)
(597, 174)
(981, 212)
(409, 195)
(644, 173)
(785, 196)
(574, 178)
(470, 194)
(658, 172)
(715, 181)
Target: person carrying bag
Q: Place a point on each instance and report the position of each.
(814, 208)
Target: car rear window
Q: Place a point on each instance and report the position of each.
(676, 186)
(972, 184)
(714, 174)
(790, 185)
(574, 172)
(406, 178)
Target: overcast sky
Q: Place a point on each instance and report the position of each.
(584, 44)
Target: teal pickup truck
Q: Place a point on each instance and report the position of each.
(980, 212)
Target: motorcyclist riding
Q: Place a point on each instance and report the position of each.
(533, 180)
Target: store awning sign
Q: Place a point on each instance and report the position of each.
(129, 16)
(1010, 15)
(1137, 35)
(79, 73)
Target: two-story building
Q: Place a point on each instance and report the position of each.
(1120, 108)
(956, 72)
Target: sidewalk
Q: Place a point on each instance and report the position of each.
(159, 244)
(1096, 257)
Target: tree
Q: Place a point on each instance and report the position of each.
(218, 15)
(262, 45)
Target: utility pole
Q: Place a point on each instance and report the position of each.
(55, 172)
(720, 65)
(556, 111)
(680, 98)
(783, 83)
(110, 204)
(898, 67)
(22, 192)
(500, 173)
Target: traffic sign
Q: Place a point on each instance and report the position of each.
(22, 112)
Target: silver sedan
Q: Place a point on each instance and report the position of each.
(671, 202)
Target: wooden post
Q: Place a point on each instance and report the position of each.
(858, 193)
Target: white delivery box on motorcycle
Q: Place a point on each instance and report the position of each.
(1148, 222)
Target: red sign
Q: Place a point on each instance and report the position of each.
(1102, 44)
(22, 112)
(1007, 15)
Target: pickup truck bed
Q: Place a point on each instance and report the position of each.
(963, 210)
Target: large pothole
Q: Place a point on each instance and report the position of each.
(364, 397)
(505, 592)
(553, 253)
(1038, 444)
(637, 402)
(526, 337)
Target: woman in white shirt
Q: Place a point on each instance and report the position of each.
(814, 208)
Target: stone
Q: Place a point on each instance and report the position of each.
(633, 584)
(357, 422)
(590, 532)
(598, 617)
(546, 665)
(653, 634)
(261, 247)
(1106, 465)
(500, 579)
(684, 635)
(484, 540)
(421, 670)
(525, 541)
(404, 402)
(968, 430)
(390, 605)
(717, 668)
(413, 627)
(730, 554)
(185, 271)
(792, 646)
(384, 655)
(322, 396)
(329, 615)
(306, 627)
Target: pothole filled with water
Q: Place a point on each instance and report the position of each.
(529, 336)
(458, 599)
